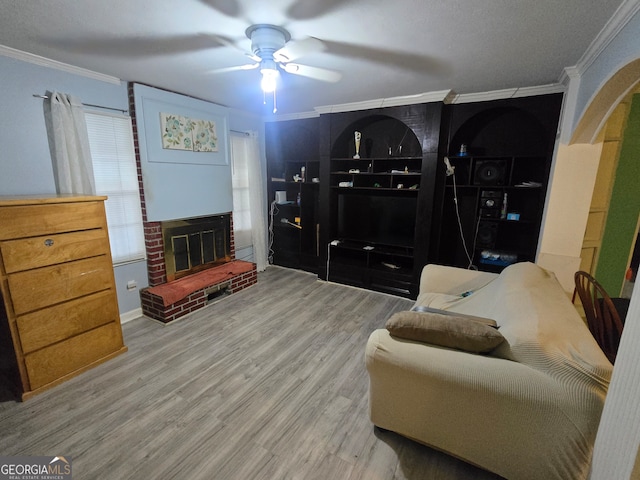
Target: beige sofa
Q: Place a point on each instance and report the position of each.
(529, 409)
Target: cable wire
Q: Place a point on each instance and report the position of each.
(273, 210)
(464, 243)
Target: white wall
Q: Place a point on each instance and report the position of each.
(567, 209)
(617, 445)
(618, 439)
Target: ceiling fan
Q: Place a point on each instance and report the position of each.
(272, 50)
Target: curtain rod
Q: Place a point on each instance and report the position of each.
(87, 104)
(240, 132)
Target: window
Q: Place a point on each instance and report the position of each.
(240, 183)
(116, 176)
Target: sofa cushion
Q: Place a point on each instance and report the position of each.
(450, 331)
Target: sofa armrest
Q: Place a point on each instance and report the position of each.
(452, 280)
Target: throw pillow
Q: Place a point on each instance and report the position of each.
(445, 330)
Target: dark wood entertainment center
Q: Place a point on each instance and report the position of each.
(374, 222)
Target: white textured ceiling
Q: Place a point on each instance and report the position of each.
(383, 48)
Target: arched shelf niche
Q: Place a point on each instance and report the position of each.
(382, 136)
(501, 131)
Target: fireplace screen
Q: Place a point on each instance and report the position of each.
(191, 245)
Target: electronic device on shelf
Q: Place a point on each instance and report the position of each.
(490, 203)
(395, 219)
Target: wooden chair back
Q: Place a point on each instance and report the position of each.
(602, 317)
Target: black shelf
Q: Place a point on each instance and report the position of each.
(385, 268)
(292, 150)
(501, 182)
(399, 148)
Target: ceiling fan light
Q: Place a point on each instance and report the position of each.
(269, 77)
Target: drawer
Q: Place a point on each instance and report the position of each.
(51, 325)
(36, 220)
(39, 288)
(35, 252)
(55, 361)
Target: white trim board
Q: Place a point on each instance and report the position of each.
(131, 315)
(65, 67)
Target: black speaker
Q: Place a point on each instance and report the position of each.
(487, 234)
(490, 203)
(490, 172)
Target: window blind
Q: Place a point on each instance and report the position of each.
(116, 176)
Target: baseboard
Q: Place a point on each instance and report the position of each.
(130, 315)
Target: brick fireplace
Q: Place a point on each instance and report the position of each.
(197, 251)
(161, 260)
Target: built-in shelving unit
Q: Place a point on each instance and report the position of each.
(375, 220)
(293, 167)
(496, 196)
(377, 230)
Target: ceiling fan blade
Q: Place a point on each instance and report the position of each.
(309, 9)
(234, 68)
(298, 48)
(230, 8)
(409, 61)
(253, 57)
(316, 73)
(141, 46)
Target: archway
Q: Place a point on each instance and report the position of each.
(604, 102)
(616, 448)
(613, 217)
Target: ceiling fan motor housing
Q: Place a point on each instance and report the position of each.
(267, 39)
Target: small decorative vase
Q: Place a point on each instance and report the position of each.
(357, 137)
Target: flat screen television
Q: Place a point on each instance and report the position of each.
(388, 220)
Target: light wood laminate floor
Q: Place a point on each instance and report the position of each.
(268, 383)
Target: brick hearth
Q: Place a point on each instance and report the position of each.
(154, 306)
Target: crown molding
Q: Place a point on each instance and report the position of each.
(47, 62)
(438, 96)
(289, 116)
(446, 96)
(624, 13)
(507, 93)
(568, 74)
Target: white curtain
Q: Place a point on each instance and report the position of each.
(69, 144)
(256, 203)
(249, 214)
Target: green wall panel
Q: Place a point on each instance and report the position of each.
(619, 234)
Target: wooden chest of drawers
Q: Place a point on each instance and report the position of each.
(58, 288)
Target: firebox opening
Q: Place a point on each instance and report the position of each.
(195, 244)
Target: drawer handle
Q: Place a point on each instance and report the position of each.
(48, 242)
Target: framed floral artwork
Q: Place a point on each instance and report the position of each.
(205, 138)
(184, 133)
(176, 132)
